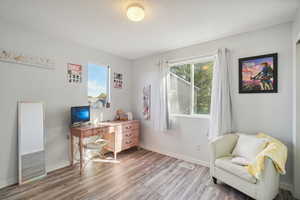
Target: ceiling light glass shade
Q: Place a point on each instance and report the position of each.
(135, 12)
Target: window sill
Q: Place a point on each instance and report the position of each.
(191, 116)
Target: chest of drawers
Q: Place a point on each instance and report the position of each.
(125, 134)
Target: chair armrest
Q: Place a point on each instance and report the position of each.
(219, 147)
(223, 145)
(269, 182)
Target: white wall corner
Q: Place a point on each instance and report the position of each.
(7, 182)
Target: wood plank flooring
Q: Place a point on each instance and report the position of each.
(140, 175)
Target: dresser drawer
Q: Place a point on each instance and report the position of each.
(130, 126)
(130, 142)
(130, 134)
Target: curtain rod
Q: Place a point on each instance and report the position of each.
(192, 59)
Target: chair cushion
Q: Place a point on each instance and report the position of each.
(240, 161)
(237, 170)
(248, 146)
(95, 145)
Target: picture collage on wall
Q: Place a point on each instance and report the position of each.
(118, 80)
(74, 73)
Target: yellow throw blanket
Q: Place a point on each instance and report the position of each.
(275, 150)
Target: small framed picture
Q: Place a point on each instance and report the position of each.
(258, 74)
(118, 80)
(74, 73)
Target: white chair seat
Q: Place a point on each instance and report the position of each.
(237, 170)
(96, 145)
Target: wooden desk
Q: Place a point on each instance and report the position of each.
(120, 135)
(83, 132)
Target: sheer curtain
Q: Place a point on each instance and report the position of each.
(221, 107)
(163, 118)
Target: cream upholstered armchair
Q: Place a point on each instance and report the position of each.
(221, 168)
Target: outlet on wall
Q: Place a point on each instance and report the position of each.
(198, 147)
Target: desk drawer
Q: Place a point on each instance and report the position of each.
(98, 131)
(88, 133)
(130, 126)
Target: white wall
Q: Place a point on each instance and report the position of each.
(19, 82)
(270, 113)
(296, 103)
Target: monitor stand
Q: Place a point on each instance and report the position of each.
(80, 124)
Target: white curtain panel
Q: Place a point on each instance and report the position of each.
(162, 120)
(221, 107)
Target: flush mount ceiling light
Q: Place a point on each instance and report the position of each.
(135, 12)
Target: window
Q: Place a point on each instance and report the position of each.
(98, 85)
(189, 90)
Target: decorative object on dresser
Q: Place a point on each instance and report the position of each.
(121, 115)
(129, 115)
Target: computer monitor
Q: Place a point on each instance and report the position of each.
(80, 114)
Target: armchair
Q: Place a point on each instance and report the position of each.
(221, 168)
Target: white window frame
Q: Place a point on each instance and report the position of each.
(192, 62)
(108, 81)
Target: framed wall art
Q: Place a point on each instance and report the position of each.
(146, 101)
(118, 80)
(74, 73)
(21, 58)
(258, 74)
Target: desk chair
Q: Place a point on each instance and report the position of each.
(92, 148)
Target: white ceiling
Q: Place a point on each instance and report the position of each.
(169, 24)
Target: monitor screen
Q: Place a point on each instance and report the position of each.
(80, 114)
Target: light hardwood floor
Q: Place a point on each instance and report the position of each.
(140, 175)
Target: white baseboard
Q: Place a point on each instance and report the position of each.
(178, 156)
(60, 165)
(296, 195)
(14, 180)
(9, 181)
(286, 186)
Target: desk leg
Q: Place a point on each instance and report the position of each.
(115, 144)
(72, 149)
(81, 154)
